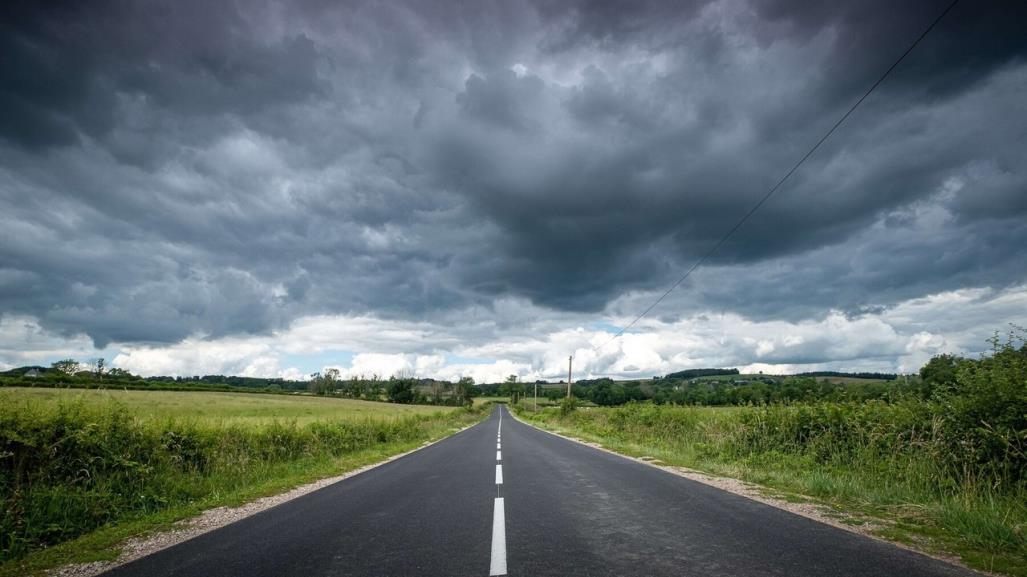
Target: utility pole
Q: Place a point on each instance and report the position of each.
(536, 395)
(570, 360)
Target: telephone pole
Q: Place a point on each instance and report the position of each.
(536, 396)
(570, 361)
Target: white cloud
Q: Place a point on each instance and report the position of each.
(901, 339)
(24, 342)
(250, 357)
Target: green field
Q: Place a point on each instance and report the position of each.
(218, 408)
(82, 470)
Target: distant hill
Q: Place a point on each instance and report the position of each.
(874, 376)
(693, 373)
(20, 371)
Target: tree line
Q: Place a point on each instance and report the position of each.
(405, 390)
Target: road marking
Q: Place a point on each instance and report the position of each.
(498, 566)
(499, 474)
(498, 446)
(499, 455)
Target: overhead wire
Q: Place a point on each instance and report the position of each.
(782, 180)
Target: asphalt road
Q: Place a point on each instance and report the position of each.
(505, 498)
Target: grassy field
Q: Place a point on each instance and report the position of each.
(218, 408)
(872, 463)
(485, 400)
(81, 470)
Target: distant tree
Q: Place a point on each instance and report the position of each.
(511, 388)
(553, 394)
(118, 373)
(375, 388)
(607, 394)
(435, 388)
(324, 383)
(66, 366)
(465, 390)
(401, 391)
(99, 367)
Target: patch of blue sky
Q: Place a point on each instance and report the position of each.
(603, 326)
(315, 362)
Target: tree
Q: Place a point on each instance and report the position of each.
(66, 366)
(324, 383)
(465, 390)
(938, 373)
(375, 388)
(401, 391)
(511, 388)
(607, 393)
(99, 367)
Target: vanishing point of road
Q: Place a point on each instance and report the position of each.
(505, 498)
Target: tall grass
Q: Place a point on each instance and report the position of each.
(70, 469)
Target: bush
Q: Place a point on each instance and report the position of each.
(986, 414)
(568, 405)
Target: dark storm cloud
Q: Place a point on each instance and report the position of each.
(67, 65)
(174, 168)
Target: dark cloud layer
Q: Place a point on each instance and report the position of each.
(179, 168)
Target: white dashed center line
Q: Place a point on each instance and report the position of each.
(498, 566)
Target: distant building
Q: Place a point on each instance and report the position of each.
(32, 373)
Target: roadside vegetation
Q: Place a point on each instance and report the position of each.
(940, 463)
(82, 470)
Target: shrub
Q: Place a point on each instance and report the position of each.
(986, 414)
(568, 405)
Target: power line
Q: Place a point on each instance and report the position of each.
(771, 192)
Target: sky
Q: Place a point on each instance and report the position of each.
(445, 189)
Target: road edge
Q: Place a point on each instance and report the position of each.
(813, 509)
(135, 548)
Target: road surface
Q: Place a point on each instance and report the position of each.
(504, 498)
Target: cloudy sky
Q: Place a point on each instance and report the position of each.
(484, 188)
